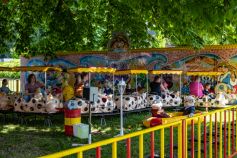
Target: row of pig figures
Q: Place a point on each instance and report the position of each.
(106, 104)
(37, 104)
(219, 100)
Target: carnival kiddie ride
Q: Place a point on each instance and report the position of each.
(168, 98)
(39, 102)
(220, 99)
(104, 102)
(134, 100)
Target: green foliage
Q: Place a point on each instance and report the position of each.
(43, 27)
(7, 74)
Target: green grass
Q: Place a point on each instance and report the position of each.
(36, 139)
(33, 140)
(12, 75)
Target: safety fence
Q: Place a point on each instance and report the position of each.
(212, 134)
(13, 84)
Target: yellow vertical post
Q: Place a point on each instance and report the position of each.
(199, 137)
(162, 143)
(114, 150)
(80, 155)
(210, 136)
(180, 140)
(229, 128)
(186, 139)
(141, 155)
(220, 136)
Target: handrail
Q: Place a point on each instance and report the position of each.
(108, 141)
(182, 137)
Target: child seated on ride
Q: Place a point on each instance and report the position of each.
(157, 111)
(207, 89)
(107, 88)
(4, 89)
(189, 106)
(38, 95)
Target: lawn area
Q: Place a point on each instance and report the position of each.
(35, 139)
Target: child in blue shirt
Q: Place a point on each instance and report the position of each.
(4, 88)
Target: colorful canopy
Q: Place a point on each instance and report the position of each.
(204, 73)
(127, 72)
(164, 72)
(37, 68)
(92, 70)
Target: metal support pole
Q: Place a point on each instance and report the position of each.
(89, 136)
(136, 82)
(45, 82)
(180, 85)
(89, 76)
(113, 95)
(147, 88)
(113, 86)
(121, 111)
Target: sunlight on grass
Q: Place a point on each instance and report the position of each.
(9, 128)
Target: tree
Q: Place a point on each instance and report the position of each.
(43, 27)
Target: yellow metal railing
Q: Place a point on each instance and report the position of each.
(223, 146)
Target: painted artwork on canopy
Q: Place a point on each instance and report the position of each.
(142, 61)
(151, 59)
(229, 79)
(202, 62)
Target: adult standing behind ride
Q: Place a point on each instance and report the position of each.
(156, 85)
(196, 87)
(31, 86)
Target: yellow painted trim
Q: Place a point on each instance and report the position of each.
(220, 137)
(114, 150)
(127, 72)
(210, 136)
(162, 143)
(229, 136)
(37, 68)
(6, 68)
(203, 73)
(72, 121)
(163, 72)
(199, 137)
(92, 70)
(141, 154)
